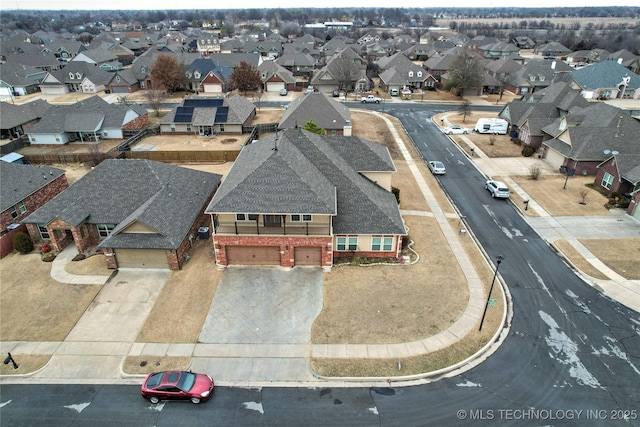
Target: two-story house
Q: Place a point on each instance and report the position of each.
(298, 198)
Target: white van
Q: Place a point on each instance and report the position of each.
(393, 92)
(494, 126)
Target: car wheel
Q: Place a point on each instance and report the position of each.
(195, 400)
(465, 132)
(154, 399)
(449, 133)
(377, 102)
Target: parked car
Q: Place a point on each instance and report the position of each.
(455, 130)
(177, 385)
(437, 167)
(310, 89)
(370, 99)
(284, 92)
(335, 93)
(497, 189)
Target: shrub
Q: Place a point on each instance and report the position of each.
(527, 151)
(396, 192)
(45, 248)
(534, 172)
(22, 243)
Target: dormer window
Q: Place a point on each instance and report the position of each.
(188, 74)
(78, 76)
(118, 79)
(563, 124)
(532, 78)
(71, 76)
(410, 73)
(541, 78)
(419, 73)
(196, 74)
(143, 69)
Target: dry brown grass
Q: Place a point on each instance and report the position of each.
(620, 255)
(33, 306)
(455, 353)
(26, 363)
(578, 260)
(185, 300)
(93, 265)
(391, 304)
(133, 364)
(268, 115)
(549, 193)
(368, 126)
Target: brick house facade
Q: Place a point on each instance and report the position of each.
(33, 187)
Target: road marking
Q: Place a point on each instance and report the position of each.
(254, 406)
(78, 407)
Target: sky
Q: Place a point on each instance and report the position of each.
(255, 4)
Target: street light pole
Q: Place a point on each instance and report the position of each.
(499, 259)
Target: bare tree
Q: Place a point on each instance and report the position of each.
(154, 98)
(583, 194)
(346, 69)
(534, 172)
(258, 95)
(96, 156)
(466, 73)
(464, 109)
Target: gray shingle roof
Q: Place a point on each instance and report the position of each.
(309, 173)
(325, 112)
(19, 181)
(15, 115)
(163, 197)
(605, 75)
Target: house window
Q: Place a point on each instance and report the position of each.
(118, 79)
(419, 73)
(272, 220)
(57, 138)
(142, 84)
(295, 218)
(188, 127)
(252, 217)
(44, 233)
(306, 218)
(347, 243)
(71, 76)
(410, 73)
(241, 217)
(607, 180)
(222, 128)
(104, 230)
(196, 74)
(382, 244)
(21, 207)
(13, 212)
(78, 76)
(172, 127)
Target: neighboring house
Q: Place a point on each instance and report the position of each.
(527, 116)
(402, 73)
(24, 189)
(498, 50)
(298, 198)
(206, 75)
(275, 77)
(17, 119)
(96, 57)
(123, 81)
(535, 75)
(327, 114)
(233, 60)
(497, 72)
(619, 173)
(523, 42)
(578, 140)
(89, 120)
(267, 49)
(208, 116)
(555, 49)
(606, 80)
(148, 218)
(300, 64)
(19, 79)
(634, 205)
(75, 77)
(345, 71)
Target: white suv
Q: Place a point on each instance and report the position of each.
(497, 189)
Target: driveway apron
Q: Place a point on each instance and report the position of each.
(264, 305)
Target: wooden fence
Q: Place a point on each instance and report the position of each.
(184, 156)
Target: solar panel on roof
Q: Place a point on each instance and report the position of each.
(221, 114)
(203, 102)
(183, 115)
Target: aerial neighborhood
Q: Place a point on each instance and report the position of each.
(292, 197)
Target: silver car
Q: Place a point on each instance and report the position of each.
(455, 130)
(437, 167)
(497, 189)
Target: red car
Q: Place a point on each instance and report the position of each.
(177, 385)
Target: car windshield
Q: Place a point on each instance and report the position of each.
(187, 380)
(438, 164)
(154, 380)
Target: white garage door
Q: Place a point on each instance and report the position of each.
(275, 86)
(55, 90)
(142, 258)
(213, 88)
(554, 158)
(636, 211)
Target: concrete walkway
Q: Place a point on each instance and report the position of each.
(61, 275)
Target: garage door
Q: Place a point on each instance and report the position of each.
(308, 256)
(142, 258)
(253, 255)
(120, 89)
(213, 88)
(275, 86)
(636, 211)
(554, 158)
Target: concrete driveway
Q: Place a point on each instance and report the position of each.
(264, 305)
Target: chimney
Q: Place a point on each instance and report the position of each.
(346, 130)
(553, 65)
(620, 61)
